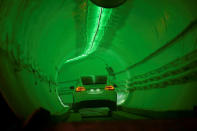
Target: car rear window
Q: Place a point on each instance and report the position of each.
(101, 80)
(87, 80)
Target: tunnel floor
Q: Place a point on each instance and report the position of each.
(101, 114)
(99, 119)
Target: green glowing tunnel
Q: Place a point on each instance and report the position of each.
(148, 47)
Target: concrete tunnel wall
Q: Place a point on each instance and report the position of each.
(151, 47)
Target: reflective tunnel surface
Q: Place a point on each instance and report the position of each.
(146, 49)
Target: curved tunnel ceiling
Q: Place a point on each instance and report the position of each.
(45, 42)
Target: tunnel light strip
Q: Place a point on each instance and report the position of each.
(76, 58)
(103, 17)
(91, 45)
(106, 13)
(62, 102)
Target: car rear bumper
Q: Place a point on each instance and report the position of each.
(103, 96)
(94, 103)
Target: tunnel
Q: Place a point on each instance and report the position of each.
(147, 48)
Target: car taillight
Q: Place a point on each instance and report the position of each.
(78, 89)
(109, 88)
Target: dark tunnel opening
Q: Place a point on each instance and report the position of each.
(84, 65)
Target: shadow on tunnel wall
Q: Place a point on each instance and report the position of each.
(9, 121)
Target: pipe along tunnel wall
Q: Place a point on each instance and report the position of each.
(150, 45)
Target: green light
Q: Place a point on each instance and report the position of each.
(76, 58)
(62, 102)
(99, 31)
(91, 44)
(95, 29)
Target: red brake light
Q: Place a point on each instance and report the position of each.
(109, 88)
(78, 89)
